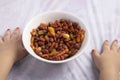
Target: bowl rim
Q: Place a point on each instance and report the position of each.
(61, 61)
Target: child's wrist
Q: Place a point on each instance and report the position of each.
(6, 63)
(10, 57)
(109, 69)
(112, 67)
(109, 74)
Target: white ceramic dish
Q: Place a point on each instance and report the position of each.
(50, 17)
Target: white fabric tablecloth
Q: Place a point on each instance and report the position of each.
(102, 18)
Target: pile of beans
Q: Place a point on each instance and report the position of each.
(57, 40)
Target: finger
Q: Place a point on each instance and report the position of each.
(1, 40)
(114, 45)
(106, 46)
(95, 54)
(119, 49)
(20, 40)
(7, 35)
(15, 34)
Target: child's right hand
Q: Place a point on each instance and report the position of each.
(108, 62)
(109, 58)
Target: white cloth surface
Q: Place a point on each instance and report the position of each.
(102, 18)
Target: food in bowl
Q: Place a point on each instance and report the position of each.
(57, 40)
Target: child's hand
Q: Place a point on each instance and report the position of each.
(109, 58)
(8, 44)
(21, 52)
(11, 50)
(108, 62)
(11, 45)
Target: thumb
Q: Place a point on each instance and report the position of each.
(95, 54)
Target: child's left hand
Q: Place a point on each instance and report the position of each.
(11, 45)
(11, 50)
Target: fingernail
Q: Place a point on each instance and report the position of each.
(106, 40)
(93, 50)
(116, 40)
(17, 28)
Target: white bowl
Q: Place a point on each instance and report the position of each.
(50, 17)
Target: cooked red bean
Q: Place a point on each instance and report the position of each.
(57, 40)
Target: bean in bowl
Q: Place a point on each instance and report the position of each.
(57, 40)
